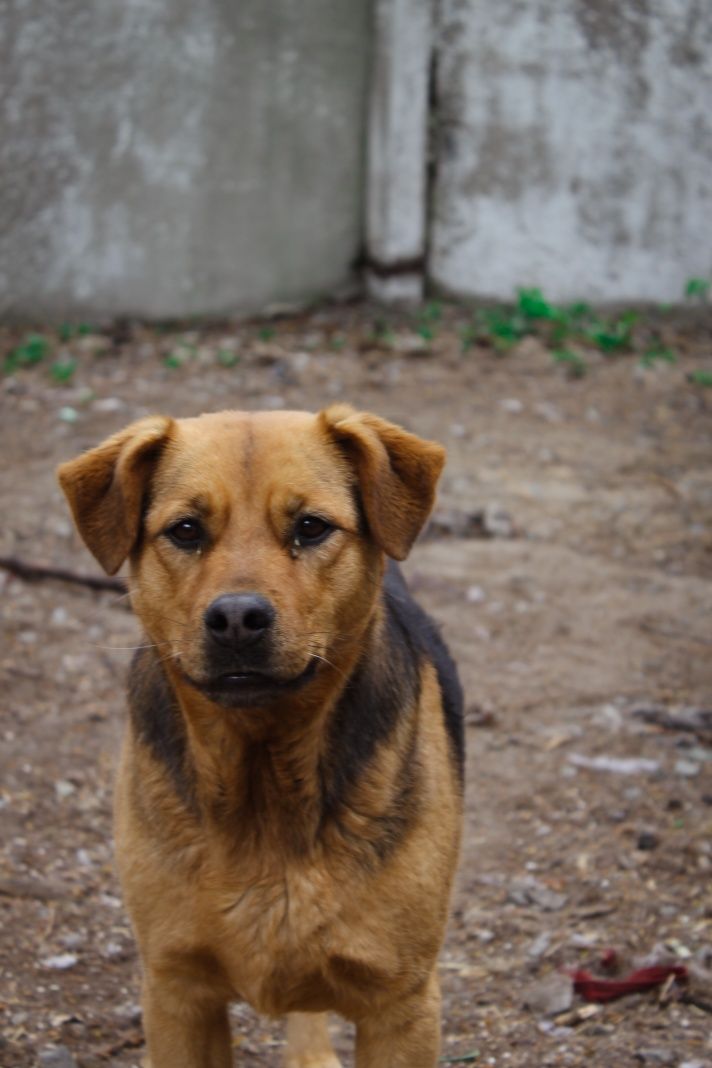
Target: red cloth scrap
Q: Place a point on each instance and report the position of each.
(592, 989)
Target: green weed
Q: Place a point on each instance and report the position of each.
(575, 365)
(63, 370)
(227, 357)
(697, 288)
(701, 378)
(657, 353)
(32, 350)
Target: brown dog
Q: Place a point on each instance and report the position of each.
(289, 798)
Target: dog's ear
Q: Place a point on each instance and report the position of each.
(106, 486)
(397, 474)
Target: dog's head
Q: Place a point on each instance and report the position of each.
(256, 540)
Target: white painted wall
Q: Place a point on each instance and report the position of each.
(177, 157)
(397, 148)
(574, 147)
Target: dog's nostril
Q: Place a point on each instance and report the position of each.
(217, 620)
(256, 619)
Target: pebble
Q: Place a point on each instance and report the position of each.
(475, 595)
(512, 405)
(551, 995)
(56, 1057)
(618, 765)
(108, 404)
(526, 890)
(647, 840)
(686, 768)
(60, 962)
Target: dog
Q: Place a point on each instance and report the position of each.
(289, 796)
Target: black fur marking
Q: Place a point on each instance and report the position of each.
(157, 720)
(383, 687)
(426, 637)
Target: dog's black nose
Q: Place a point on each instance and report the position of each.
(239, 618)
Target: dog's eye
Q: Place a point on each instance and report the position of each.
(310, 530)
(186, 534)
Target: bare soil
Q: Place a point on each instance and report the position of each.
(580, 597)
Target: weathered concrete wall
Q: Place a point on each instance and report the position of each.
(171, 157)
(575, 147)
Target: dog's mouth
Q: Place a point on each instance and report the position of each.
(240, 689)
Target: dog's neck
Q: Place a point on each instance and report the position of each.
(257, 773)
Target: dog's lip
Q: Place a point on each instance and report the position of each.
(247, 681)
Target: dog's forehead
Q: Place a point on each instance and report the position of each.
(253, 447)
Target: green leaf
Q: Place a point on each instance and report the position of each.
(697, 287)
(266, 333)
(532, 305)
(63, 370)
(173, 361)
(701, 378)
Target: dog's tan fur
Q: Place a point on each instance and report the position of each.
(238, 884)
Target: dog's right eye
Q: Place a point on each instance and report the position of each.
(186, 534)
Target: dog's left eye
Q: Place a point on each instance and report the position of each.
(186, 534)
(310, 530)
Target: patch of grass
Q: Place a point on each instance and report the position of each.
(69, 330)
(227, 357)
(266, 333)
(697, 288)
(657, 353)
(616, 335)
(32, 351)
(701, 378)
(63, 370)
(574, 364)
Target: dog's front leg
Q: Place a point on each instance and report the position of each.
(182, 1030)
(308, 1042)
(405, 1034)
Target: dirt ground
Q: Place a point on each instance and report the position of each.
(570, 567)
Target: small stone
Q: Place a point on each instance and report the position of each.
(618, 765)
(647, 840)
(540, 945)
(687, 769)
(496, 522)
(56, 1057)
(108, 404)
(68, 415)
(63, 788)
(475, 595)
(61, 962)
(550, 996)
(655, 1056)
(527, 890)
(511, 405)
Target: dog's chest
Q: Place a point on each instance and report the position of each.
(287, 937)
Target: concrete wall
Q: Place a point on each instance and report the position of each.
(170, 157)
(574, 147)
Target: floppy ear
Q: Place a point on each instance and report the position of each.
(397, 474)
(105, 488)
